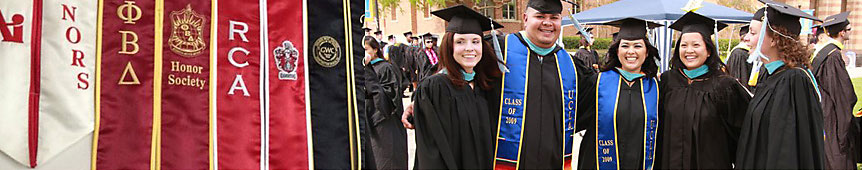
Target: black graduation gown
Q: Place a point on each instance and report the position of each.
(589, 57)
(388, 135)
(700, 120)
(837, 103)
(397, 57)
(543, 128)
(783, 125)
(630, 124)
(452, 127)
(410, 62)
(738, 67)
(424, 68)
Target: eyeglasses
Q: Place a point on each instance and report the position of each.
(429, 41)
(848, 30)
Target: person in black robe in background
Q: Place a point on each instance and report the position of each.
(427, 58)
(453, 130)
(783, 125)
(701, 106)
(737, 64)
(585, 53)
(630, 115)
(388, 137)
(838, 95)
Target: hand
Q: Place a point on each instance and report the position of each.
(408, 112)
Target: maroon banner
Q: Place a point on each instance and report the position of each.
(238, 87)
(125, 87)
(185, 81)
(288, 139)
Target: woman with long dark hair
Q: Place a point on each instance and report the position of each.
(701, 105)
(783, 125)
(619, 106)
(451, 115)
(388, 136)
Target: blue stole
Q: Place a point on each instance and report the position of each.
(513, 103)
(607, 96)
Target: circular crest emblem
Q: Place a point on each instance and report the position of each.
(326, 51)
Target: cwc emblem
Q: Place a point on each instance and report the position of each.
(187, 32)
(327, 52)
(286, 57)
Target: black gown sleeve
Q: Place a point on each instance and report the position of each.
(383, 91)
(838, 97)
(435, 150)
(586, 102)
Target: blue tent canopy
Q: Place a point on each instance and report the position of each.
(655, 10)
(660, 11)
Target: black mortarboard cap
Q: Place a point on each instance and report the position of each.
(585, 30)
(786, 16)
(463, 20)
(837, 22)
(390, 37)
(415, 38)
(408, 34)
(546, 6)
(378, 32)
(427, 35)
(758, 16)
(744, 29)
(694, 22)
(366, 29)
(632, 28)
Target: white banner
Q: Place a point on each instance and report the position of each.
(68, 64)
(15, 43)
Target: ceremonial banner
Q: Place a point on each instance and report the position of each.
(125, 134)
(48, 66)
(184, 132)
(286, 60)
(66, 76)
(334, 57)
(238, 93)
(18, 21)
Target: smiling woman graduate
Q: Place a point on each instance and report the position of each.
(452, 119)
(619, 109)
(701, 106)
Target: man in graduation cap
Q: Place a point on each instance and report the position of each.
(737, 64)
(585, 53)
(838, 96)
(367, 31)
(536, 118)
(426, 62)
(783, 125)
(378, 35)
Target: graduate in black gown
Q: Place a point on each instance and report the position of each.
(388, 136)
(737, 64)
(828, 67)
(451, 115)
(701, 106)
(783, 125)
(528, 103)
(586, 53)
(619, 106)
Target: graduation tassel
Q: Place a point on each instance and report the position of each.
(757, 55)
(500, 62)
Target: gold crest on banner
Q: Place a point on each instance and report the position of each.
(187, 32)
(327, 52)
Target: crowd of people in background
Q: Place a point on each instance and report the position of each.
(775, 102)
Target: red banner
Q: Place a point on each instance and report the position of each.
(238, 87)
(288, 123)
(125, 86)
(185, 83)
